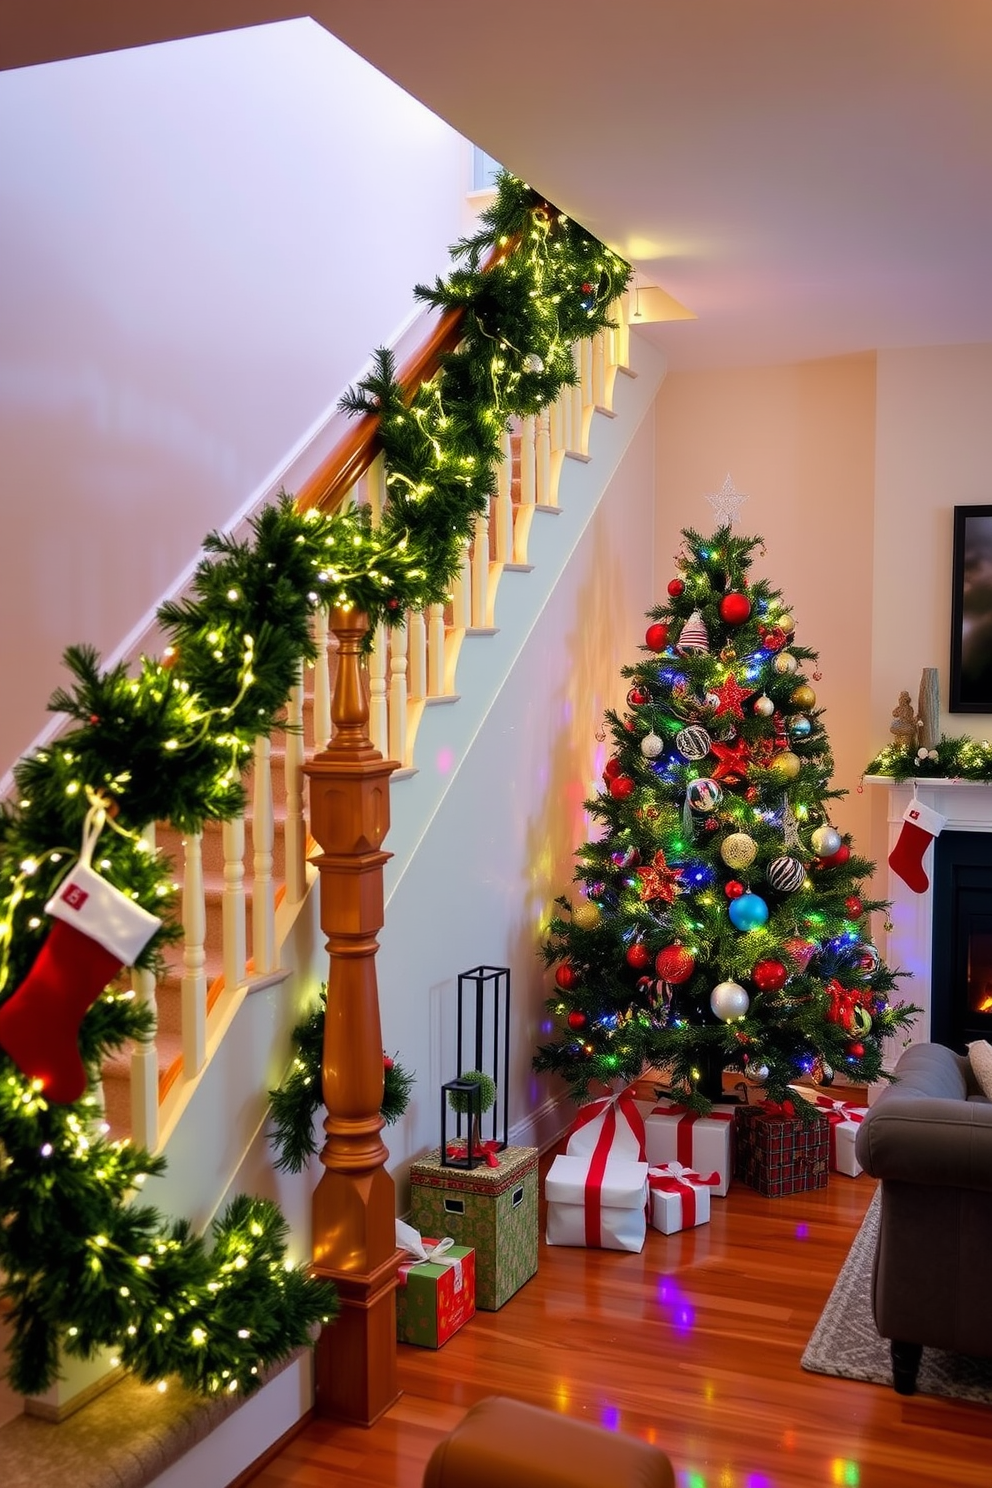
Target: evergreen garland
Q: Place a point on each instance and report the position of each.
(169, 739)
(952, 759)
(298, 1099)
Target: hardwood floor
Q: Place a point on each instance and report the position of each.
(694, 1344)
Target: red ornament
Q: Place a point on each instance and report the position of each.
(656, 636)
(730, 694)
(855, 1051)
(387, 1063)
(733, 889)
(734, 607)
(676, 587)
(577, 1021)
(836, 859)
(674, 964)
(567, 977)
(638, 955)
(658, 881)
(772, 638)
(769, 975)
(854, 906)
(637, 696)
(711, 823)
(733, 758)
(612, 768)
(621, 786)
(752, 794)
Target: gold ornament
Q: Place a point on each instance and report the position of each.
(586, 915)
(785, 663)
(786, 623)
(803, 696)
(785, 765)
(738, 850)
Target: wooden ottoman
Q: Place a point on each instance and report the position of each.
(504, 1441)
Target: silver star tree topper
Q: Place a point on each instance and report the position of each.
(727, 502)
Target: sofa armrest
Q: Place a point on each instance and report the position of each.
(928, 1140)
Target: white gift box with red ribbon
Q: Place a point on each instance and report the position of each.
(843, 1120)
(597, 1188)
(679, 1197)
(674, 1134)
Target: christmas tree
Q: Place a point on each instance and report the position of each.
(722, 922)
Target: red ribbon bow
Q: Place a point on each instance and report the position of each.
(777, 1108)
(487, 1150)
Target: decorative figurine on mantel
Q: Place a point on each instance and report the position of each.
(904, 721)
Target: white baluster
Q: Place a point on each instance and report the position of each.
(321, 682)
(144, 1060)
(376, 493)
(480, 572)
(416, 629)
(461, 595)
(435, 652)
(194, 982)
(528, 484)
(503, 504)
(263, 900)
(599, 370)
(575, 408)
(378, 709)
(588, 399)
(233, 902)
(398, 697)
(623, 330)
(296, 827)
(545, 493)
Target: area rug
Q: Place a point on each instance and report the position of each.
(845, 1341)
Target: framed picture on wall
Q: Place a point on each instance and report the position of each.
(971, 611)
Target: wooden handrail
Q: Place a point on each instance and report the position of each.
(337, 473)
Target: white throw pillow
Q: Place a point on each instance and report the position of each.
(980, 1058)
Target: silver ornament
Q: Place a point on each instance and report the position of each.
(825, 842)
(533, 363)
(763, 706)
(785, 874)
(651, 746)
(827, 1075)
(693, 743)
(729, 1000)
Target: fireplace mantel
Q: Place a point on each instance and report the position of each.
(967, 805)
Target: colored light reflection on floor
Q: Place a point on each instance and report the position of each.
(845, 1472)
(681, 1311)
(802, 1231)
(562, 1395)
(757, 1480)
(609, 1416)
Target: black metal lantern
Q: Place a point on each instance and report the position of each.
(484, 1039)
(467, 1104)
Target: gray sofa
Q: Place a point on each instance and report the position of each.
(929, 1139)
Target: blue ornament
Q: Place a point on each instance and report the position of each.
(799, 726)
(748, 912)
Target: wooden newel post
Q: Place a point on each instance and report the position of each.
(354, 1207)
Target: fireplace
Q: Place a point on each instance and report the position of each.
(961, 975)
(943, 937)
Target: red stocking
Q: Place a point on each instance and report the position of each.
(39, 1025)
(97, 930)
(920, 825)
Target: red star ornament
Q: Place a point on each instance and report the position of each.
(733, 758)
(732, 695)
(658, 881)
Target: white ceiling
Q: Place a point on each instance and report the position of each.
(809, 177)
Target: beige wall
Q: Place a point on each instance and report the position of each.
(800, 440)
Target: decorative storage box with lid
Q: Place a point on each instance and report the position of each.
(492, 1209)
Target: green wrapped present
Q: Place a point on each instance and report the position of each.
(492, 1209)
(435, 1297)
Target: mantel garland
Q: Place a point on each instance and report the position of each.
(83, 1264)
(951, 759)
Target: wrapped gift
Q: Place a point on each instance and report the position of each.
(843, 1120)
(435, 1291)
(597, 1188)
(492, 1209)
(673, 1133)
(679, 1197)
(777, 1152)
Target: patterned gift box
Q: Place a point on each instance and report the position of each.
(704, 1143)
(434, 1300)
(679, 1197)
(843, 1120)
(777, 1153)
(493, 1210)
